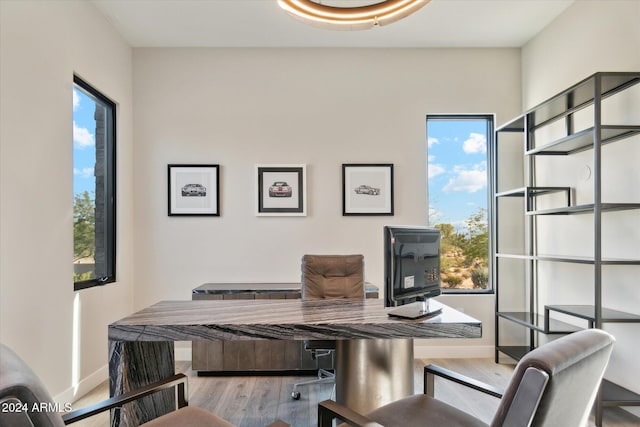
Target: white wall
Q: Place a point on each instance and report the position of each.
(42, 44)
(321, 107)
(589, 36)
(593, 36)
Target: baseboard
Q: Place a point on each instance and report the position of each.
(453, 352)
(85, 385)
(182, 354)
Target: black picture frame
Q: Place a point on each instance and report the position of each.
(193, 190)
(288, 199)
(367, 189)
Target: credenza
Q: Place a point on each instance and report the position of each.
(218, 357)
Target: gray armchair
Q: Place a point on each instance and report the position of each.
(21, 391)
(553, 385)
(329, 277)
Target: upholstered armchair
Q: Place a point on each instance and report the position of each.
(326, 277)
(553, 385)
(22, 391)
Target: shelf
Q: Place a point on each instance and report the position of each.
(536, 322)
(514, 352)
(587, 312)
(571, 100)
(615, 395)
(515, 125)
(584, 209)
(583, 140)
(580, 95)
(532, 191)
(529, 193)
(570, 259)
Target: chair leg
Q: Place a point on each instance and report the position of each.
(324, 377)
(599, 408)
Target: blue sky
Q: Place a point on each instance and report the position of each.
(84, 143)
(457, 169)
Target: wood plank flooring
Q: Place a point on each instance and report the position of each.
(257, 401)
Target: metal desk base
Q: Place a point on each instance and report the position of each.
(373, 372)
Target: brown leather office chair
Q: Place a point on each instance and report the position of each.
(553, 385)
(21, 392)
(329, 277)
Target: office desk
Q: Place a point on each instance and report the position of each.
(141, 348)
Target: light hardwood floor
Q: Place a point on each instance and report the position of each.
(256, 401)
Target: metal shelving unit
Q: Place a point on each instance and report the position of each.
(531, 125)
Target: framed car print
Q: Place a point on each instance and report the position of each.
(281, 190)
(194, 190)
(367, 189)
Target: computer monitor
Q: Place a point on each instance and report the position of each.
(411, 264)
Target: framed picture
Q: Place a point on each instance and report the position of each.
(281, 190)
(194, 190)
(367, 189)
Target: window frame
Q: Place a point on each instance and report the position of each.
(490, 129)
(109, 188)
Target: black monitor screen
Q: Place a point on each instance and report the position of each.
(411, 264)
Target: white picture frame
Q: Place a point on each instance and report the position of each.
(193, 190)
(367, 189)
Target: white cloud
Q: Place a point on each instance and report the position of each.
(76, 100)
(435, 216)
(82, 137)
(435, 169)
(468, 180)
(84, 172)
(431, 141)
(476, 143)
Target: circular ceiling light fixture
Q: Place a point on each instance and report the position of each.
(351, 18)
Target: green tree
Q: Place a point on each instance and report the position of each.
(476, 246)
(84, 226)
(446, 231)
(480, 278)
(450, 241)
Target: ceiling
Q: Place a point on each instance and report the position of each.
(261, 23)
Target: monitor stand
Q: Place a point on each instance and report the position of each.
(416, 310)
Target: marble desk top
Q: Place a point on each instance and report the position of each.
(284, 319)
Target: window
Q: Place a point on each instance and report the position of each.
(94, 173)
(458, 198)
